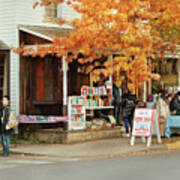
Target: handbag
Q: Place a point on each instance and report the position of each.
(12, 122)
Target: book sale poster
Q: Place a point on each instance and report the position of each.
(142, 124)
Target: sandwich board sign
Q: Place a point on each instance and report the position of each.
(145, 124)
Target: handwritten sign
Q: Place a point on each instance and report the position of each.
(143, 120)
(145, 124)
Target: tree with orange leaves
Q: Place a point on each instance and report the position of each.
(134, 30)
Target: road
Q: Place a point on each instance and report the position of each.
(161, 166)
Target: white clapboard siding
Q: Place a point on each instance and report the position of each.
(69, 13)
(13, 13)
(26, 14)
(8, 34)
(7, 21)
(18, 12)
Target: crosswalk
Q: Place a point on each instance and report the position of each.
(22, 161)
(7, 166)
(14, 163)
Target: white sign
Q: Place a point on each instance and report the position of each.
(145, 123)
(142, 123)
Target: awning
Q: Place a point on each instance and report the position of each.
(3, 46)
(46, 32)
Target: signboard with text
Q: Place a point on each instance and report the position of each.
(145, 124)
(143, 121)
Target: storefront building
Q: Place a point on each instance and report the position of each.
(4, 69)
(13, 14)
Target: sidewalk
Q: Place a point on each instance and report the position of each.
(92, 149)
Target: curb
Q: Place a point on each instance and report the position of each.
(99, 156)
(173, 146)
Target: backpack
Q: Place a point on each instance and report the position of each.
(12, 122)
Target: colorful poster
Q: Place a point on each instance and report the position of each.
(76, 113)
(143, 122)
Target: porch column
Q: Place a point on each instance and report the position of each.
(110, 58)
(150, 81)
(178, 70)
(150, 86)
(144, 92)
(65, 85)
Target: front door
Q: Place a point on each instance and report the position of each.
(4, 74)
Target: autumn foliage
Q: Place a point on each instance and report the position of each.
(136, 31)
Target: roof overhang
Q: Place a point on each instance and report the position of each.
(35, 33)
(46, 32)
(3, 46)
(175, 54)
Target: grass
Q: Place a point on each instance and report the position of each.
(15, 140)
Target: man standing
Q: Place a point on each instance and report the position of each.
(117, 103)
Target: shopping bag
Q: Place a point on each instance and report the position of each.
(12, 122)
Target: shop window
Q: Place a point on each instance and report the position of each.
(170, 67)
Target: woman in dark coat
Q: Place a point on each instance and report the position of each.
(4, 134)
(175, 104)
(128, 103)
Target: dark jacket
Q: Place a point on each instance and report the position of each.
(116, 95)
(128, 105)
(5, 113)
(175, 104)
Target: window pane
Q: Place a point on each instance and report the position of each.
(40, 94)
(48, 78)
(51, 11)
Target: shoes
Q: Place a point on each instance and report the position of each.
(126, 135)
(119, 124)
(5, 155)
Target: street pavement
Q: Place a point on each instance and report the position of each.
(92, 149)
(161, 166)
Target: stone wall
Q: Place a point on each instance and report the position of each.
(60, 136)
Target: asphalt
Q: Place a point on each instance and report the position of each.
(161, 166)
(106, 148)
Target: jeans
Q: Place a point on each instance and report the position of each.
(117, 113)
(127, 122)
(5, 144)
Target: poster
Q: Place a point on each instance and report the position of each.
(76, 113)
(143, 122)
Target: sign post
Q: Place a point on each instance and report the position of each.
(145, 124)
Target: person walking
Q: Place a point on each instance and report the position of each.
(4, 133)
(128, 104)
